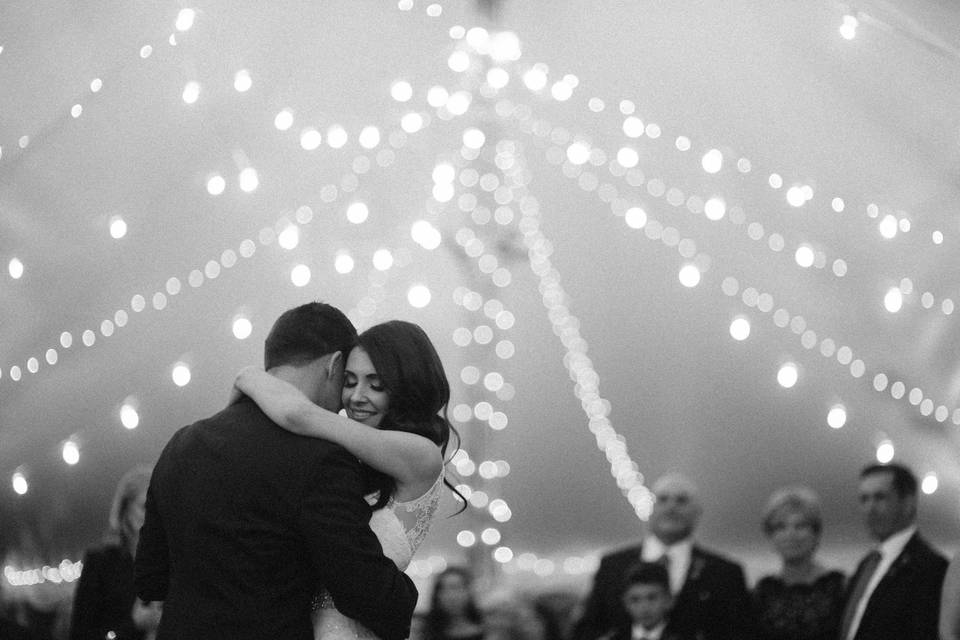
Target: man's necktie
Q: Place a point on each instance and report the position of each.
(867, 569)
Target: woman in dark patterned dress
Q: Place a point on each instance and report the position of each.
(804, 601)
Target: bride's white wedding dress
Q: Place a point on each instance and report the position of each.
(400, 527)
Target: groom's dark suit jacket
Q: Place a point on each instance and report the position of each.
(246, 522)
(712, 605)
(906, 601)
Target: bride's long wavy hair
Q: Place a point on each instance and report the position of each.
(412, 374)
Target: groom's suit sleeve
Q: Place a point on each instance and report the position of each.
(334, 519)
(151, 567)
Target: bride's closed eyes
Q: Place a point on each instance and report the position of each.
(364, 396)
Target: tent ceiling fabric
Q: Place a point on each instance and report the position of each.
(873, 120)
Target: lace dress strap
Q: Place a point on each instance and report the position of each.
(424, 507)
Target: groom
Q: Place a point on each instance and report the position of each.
(246, 523)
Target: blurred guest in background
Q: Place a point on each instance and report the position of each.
(804, 601)
(537, 621)
(10, 627)
(453, 613)
(895, 592)
(711, 601)
(648, 601)
(105, 604)
(564, 608)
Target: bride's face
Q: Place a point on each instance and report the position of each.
(364, 396)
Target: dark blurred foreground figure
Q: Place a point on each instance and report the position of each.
(895, 592)
(453, 613)
(10, 627)
(105, 603)
(950, 601)
(710, 596)
(246, 522)
(804, 601)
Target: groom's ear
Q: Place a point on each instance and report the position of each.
(334, 364)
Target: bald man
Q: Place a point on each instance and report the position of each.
(710, 593)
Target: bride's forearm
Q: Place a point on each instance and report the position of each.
(281, 401)
(406, 457)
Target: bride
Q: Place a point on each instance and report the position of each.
(395, 394)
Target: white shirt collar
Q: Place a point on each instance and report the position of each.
(893, 546)
(680, 555)
(653, 548)
(653, 634)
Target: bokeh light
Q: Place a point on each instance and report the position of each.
(885, 452)
(740, 328)
(181, 374)
(689, 275)
(837, 416)
(191, 92)
(242, 81)
(19, 482)
(249, 180)
(185, 19)
(129, 416)
(15, 268)
(418, 296)
(70, 452)
(893, 300)
(300, 275)
(242, 327)
(358, 212)
(788, 375)
(118, 227)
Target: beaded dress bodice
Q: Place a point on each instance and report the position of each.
(400, 527)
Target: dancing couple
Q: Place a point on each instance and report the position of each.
(280, 518)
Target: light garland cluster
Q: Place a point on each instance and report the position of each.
(566, 327)
(284, 231)
(764, 302)
(579, 153)
(184, 22)
(712, 161)
(446, 177)
(65, 571)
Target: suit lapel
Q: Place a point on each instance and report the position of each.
(903, 562)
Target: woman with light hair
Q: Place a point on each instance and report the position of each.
(105, 604)
(804, 600)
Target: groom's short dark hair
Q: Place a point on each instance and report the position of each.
(307, 332)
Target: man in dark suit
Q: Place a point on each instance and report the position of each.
(710, 594)
(895, 592)
(246, 523)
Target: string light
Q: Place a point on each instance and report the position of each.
(71, 452)
(837, 416)
(65, 571)
(19, 481)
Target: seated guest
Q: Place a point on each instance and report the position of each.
(895, 592)
(648, 600)
(804, 601)
(709, 592)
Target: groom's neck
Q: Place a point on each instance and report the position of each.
(303, 378)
